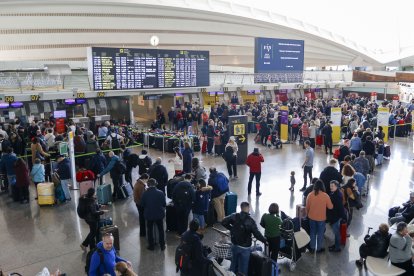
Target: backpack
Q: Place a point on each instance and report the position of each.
(115, 144)
(120, 167)
(337, 152)
(228, 154)
(89, 258)
(82, 208)
(222, 183)
(239, 228)
(183, 257)
(287, 228)
(182, 196)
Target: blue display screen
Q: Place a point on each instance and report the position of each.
(273, 55)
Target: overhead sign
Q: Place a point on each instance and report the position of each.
(9, 99)
(278, 57)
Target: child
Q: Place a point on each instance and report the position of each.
(201, 202)
(380, 152)
(292, 181)
(38, 173)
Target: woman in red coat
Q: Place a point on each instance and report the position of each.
(22, 180)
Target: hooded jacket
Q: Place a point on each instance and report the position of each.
(109, 261)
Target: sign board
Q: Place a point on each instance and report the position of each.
(63, 148)
(382, 120)
(284, 123)
(207, 108)
(237, 128)
(336, 116)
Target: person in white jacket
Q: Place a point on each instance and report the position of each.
(230, 156)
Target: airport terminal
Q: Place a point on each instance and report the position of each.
(206, 138)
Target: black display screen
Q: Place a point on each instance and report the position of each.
(126, 68)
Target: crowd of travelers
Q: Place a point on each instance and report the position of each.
(28, 153)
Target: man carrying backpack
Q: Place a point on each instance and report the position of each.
(241, 227)
(183, 197)
(89, 210)
(189, 256)
(220, 184)
(115, 141)
(114, 168)
(104, 258)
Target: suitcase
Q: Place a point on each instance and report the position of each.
(125, 190)
(262, 265)
(211, 216)
(319, 140)
(171, 219)
(104, 194)
(196, 147)
(84, 175)
(113, 229)
(257, 139)
(84, 186)
(159, 141)
(230, 203)
(387, 151)
(46, 193)
(301, 212)
(204, 147)
(60, 194)
(342, 231)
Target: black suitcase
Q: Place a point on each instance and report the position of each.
(113, 229)
(262, 265)
(196, 147)
(159, 140)
(171, 218)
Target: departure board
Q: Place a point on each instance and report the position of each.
(126, 68)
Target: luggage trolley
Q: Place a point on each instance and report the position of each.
(290, 248)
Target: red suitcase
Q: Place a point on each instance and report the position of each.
(342, 231)
(204, 147)
(319, 140)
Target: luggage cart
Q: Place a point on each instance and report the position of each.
(290, 249)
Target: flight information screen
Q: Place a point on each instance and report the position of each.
(126, 68)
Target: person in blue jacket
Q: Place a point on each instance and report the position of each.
(115, 175)
(7, 165)
(187, 157)
(104, 259)
(97, 164)
(38, 173)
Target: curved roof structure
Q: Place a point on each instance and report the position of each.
(59, 30)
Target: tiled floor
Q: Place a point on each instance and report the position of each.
(32, 237)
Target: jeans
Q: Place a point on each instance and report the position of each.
(232, 166)
(307, 170)
(240, 259)
(397, 218)
(335, 229)
(150, 232)
(142, 229)
(182, 214)
(249, 187)
(317, 229)
(93, 234)
(200, 219)
(65, 187)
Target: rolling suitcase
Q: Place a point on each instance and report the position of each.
(125, 190)
(171, 219)
(387, 151)
(204, 147)
(262, 265)
(230, 203)
(104, 194)
(113, 229)
(84, 186)
(342, 231)
(319, 140)
(46, 193)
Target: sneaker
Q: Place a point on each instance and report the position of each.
(150, 248)
(258, 194)
(358, 263)
(303, 189)
(236, 177)
(83, 247)
(162, 247)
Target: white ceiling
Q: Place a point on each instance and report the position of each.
(58, 30)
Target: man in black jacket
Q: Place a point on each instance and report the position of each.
(159, 173)
(241, 227)
(327, 133)
(183, 197)
(330, 173)
(336, 214)
(375, 245)
(92, 215)
(196, 262)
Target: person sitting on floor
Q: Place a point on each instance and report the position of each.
(375, 245)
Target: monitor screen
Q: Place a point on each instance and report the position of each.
(4, 105)
(59, 114)
(253, 92)
(70, 101)
(16, 105)
(80, 101)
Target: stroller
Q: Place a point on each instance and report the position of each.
(292, 243)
